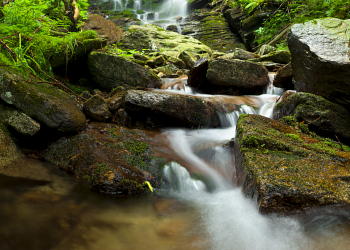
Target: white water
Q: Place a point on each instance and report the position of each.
(118, 5)
(231, 221)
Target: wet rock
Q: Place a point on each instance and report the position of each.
(104, 28)
(266, 49)
(197, 77)
(284, 77)
(237, 73)
(170, 109)
(279, 56)
(188, 59)
(96, 108)
(18, 121)
(172, 28)
(122, 118)
(44, 103)
(286, 170)
(156, 39)
(111, 71)
(9, 151)
(158, 60)
(323, 117)
(286, 94)
(114, 103)
(320, 59)
(108, 158)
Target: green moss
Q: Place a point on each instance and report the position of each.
(295, 137)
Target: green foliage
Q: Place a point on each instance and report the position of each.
(291, 12)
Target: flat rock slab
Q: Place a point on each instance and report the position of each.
(320, 58)
(171, 109)
(287, 170)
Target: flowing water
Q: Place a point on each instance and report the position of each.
(208, 213)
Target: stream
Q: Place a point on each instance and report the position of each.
(186, 213)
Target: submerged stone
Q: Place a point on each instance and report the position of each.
(286, 170)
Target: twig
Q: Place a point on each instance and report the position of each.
(314, 121)
(9, 49)
(275, 11)
(340, 144)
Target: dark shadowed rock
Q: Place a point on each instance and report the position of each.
(320, 59)
(96, 108)
(170, 109)
(324, 117)
(9, 151)
(108, 158)
(197, 77)
(286, 170)
(237, 73)
(114, 103)
(42, 102)
(111, 71)
(284, 77)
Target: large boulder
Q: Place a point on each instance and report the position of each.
(110, 71)
(324, 117)
(171, 109)
(44, 103)
(9, 151)
(237, 73)
(320, 58)
(108, 158)
(286, 170)
(153, 38)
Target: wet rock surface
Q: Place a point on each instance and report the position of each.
(287, 170)
(170, 109)
(237, 73)
(323, 117)
(43, 102)
(9, 151)
(320, 59)
(284, 77)
(108, 158)
(111, 71)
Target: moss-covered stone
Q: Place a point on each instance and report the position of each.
(287, 170)
(279, 56)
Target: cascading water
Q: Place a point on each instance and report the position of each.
(231, 221)
(118, 5)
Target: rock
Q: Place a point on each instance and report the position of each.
(158, 60)
(104, 28)
(122, 118)
(279, 56)
(272, 66)
(108, 158)
(320, 59)
(153, 38)
(170, 109)
(237, 73)
(244, 55)
(96, 108)
(44, 103)
(172, 28)
(140, 57)
(172, 67)
(18, 121)
(212, 29)
(111, 71)
(197, 77)
(266, 49)
(285, 95)
(284, 77)
(187, 58)
(217, 54)
(285, 170)
(177, 62)
(114, 103)
(9, 151)
(86, 95)
(324, 117)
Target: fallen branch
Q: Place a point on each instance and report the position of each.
(340, 144)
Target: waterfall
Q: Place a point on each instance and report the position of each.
(137, 5)
(117, 5)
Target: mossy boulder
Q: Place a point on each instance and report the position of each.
(43, 102)
(153, 38)
(320, 58)
(237, 73)
(108, 158)
(324, 117)
(266, 49)
(187, 58)
(170, 109)
(155, 61)
(9, 151)
(286, 170)
(97, 109)
(110, 71)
